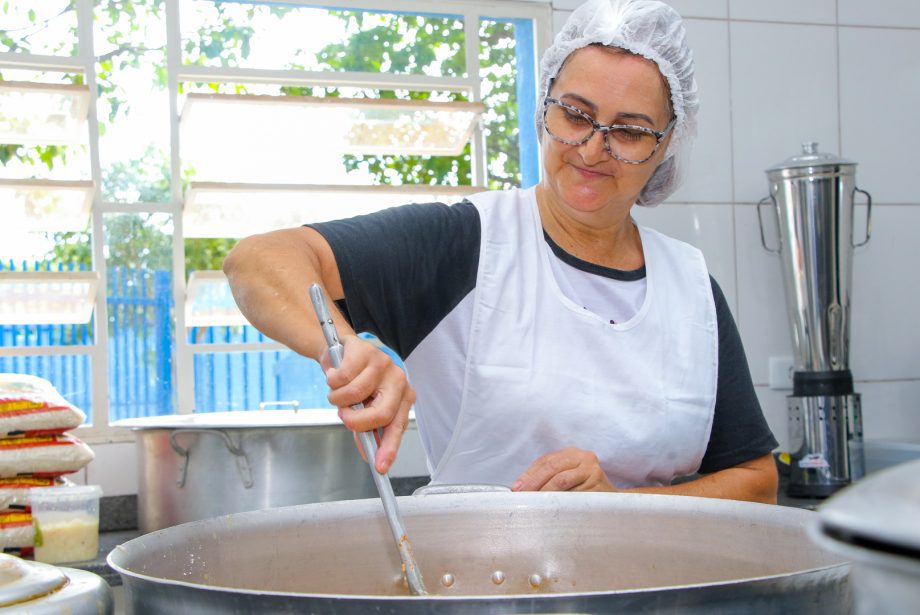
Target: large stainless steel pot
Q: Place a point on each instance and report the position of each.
(196, 466)
(491, 553)
(875, 523)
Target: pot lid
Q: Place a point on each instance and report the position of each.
(240, 419)
(810, 157)
(878, 512)
(22, 581)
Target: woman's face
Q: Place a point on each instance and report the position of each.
(612, 88)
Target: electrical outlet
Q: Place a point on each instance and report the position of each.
(781, 369)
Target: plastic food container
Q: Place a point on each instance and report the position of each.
(66, 523)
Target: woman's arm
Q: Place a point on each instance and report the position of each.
(575, 469)
(755, 481)
(270, 275)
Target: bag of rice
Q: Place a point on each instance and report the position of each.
(43, 455)
(16, 529)
(14, 491)
(30, 405)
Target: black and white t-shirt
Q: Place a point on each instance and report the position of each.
(410, 269)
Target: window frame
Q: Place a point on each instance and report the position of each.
(472, 11)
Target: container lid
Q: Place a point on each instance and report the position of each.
(238, 419)
(810, 157)
(75, 492)
(879, 512)
(21, 581)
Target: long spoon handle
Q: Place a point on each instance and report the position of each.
(382, 481)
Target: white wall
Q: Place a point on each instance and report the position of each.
(772, 74)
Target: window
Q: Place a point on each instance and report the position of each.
(175, 117)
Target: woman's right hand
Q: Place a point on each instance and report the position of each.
(368, 375)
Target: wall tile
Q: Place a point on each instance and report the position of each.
(880, 87)
(782, 95)
(794, 11)
(891, 410)
(708, 227)
(709, 176)
(78, 478)
(559, 19)
(897, 13)
(687, 8)
(114, 468)
(717, 9)
(567, 5)
(761, 314)
(885, 326)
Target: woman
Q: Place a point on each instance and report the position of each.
(552, 343)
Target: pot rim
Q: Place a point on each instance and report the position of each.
(842, 566)
(433, 504)
(238, 419)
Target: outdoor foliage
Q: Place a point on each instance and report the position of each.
(129, 37)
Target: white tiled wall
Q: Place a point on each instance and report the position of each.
(772, 74)
(114, 468)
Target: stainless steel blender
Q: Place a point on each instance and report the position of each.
(813, 200)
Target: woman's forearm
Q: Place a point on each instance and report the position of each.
(754, 481)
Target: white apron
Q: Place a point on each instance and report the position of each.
(543, 373)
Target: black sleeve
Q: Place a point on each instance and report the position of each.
(739, 430)
(403, 269)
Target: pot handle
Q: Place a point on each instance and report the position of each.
(425, 490)
(242, 462)
(292, 403)
(763, 239)
(868, 219)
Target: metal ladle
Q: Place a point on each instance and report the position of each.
(384, 488)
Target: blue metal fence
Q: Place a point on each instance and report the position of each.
(69, 373)
(242, 380)
(141, 342)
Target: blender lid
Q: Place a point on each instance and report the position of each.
(810, 157)
(879, 512)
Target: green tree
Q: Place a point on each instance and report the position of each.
(375, 42)
(384, 43)
(132, 239)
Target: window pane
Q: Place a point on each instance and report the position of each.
(43, 129)
(133, 104)
(140, 303)
(243, 380)
(276, 37)
(70, 374)
(507, 70)
(45, 27)
(43, 256)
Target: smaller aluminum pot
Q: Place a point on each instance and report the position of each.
(874, 523)
(197, 466)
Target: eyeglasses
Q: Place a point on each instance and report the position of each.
(625, 142)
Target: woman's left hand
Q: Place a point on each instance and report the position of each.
(571, 469)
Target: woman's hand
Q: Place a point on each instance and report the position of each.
(367, 375)
(571, 469)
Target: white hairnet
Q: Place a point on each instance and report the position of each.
(652, 30)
